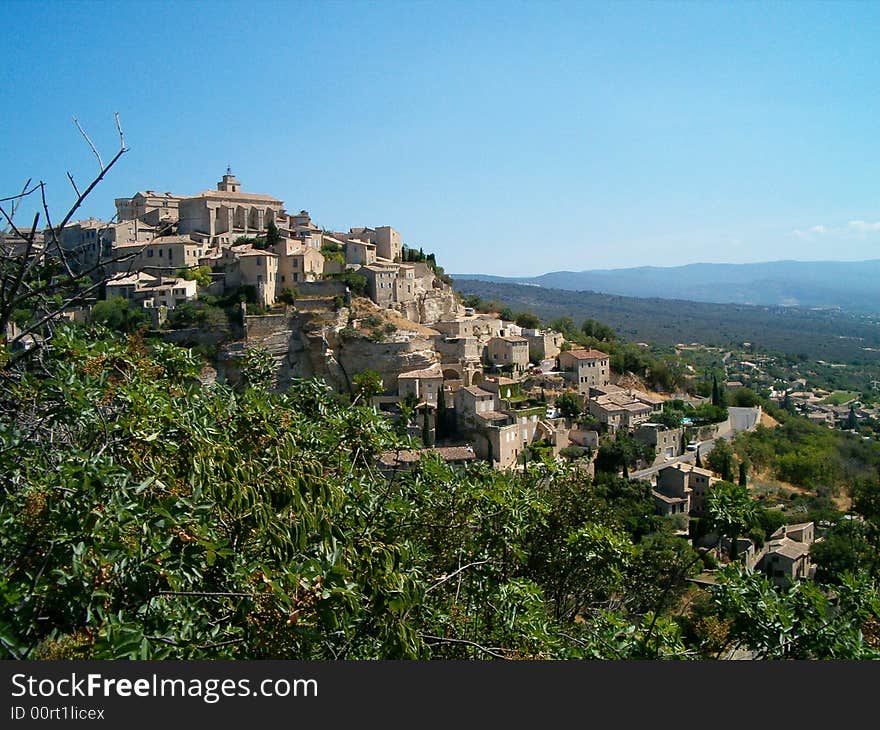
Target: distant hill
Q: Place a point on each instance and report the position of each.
(826, 334)
(849, 285)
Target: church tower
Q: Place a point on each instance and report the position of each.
(229, 183)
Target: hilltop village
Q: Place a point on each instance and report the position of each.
(229, 271)
(347, 305)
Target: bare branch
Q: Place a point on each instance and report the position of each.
(86, 138)
(119, 129)
(23, 194)
(455, 573)
(491, 651)
(75, 188)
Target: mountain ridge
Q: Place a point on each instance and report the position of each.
(848, 285)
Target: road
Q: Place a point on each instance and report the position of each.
(741, 419)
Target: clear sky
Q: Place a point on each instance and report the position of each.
(509, 138)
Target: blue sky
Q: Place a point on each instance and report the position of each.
(509, 138)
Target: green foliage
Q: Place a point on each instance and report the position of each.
(623, 453)
(721, 459)
(120, 315)
(288, 295)
(732, 511)
(802, 622)
(200, 274)
(597, 330)
(528, 321)
(198, 314)
(809, 455)
(273, 236)
(367, 384)
(354, 281)
(569, 405)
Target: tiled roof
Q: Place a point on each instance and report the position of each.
(432, 372)
(587, 354)
(223, 194)
(478, 392)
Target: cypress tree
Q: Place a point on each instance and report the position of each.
(743, 479)
(716, 396)
(442, 420)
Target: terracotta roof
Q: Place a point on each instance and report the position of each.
(789, 548)
(255, 252)
(174, 239)
(447, 453)
(493, 416)
(135, 278)
(478, 392)
(432, 372)
(587, 354)
(668, 500)
(222, 194)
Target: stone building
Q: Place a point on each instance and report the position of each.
(423, 384)
(508, 351)
(225, 214)
(586, 368)
(155, 209)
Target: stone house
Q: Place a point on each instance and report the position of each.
(681, 481)
(387, 241)
(616, 411)
(586, 368)
(666, 442)
(471, 402)
(380, 282)
(151, 291)
(297, 263)
(155, 209)
(360, 253)
(164, 255)
(786, 556)
(543, 344)
(423, 384)
(480, 326)
(508, 351)
(259, 269)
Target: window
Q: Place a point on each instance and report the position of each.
(282, 278)
(160, 253)
(170, 252)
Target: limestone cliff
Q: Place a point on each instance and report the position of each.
(334, 345)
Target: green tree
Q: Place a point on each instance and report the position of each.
(200, 274)
(528, 320)
(273, 236)
(119, 314)
(569, 405)
(366, 385)
(732, 512)
(721, 459)
(288, 295)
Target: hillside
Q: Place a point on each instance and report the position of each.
(849, 285)
(819, 334)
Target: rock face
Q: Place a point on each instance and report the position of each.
(326, 345)
(433, 300)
